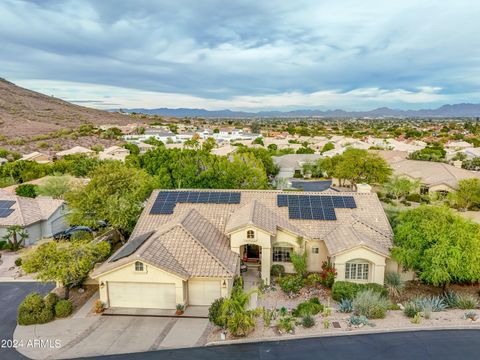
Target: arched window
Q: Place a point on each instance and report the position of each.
(250, 234)
(138, 266)
(357, 270)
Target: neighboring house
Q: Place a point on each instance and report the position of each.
(114, 153)
(458, 145)
(75, 151)
(472, 152)
(433, 176)
(143, 147)
(37, 157)
(291, 165)
(187, 245)
(40, 217)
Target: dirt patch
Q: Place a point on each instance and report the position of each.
(415, 289)
(78, 297)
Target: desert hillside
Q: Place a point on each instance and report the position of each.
(26, 113)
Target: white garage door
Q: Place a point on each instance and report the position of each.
(203, 292)
(141, 295)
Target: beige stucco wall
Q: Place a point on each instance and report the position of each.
(315, 260)
(151, 274)
(440, 187)
(392, 265)
(377, 263)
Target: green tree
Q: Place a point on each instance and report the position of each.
(15, 236)
(433, 152)
(235, 313)
(327, 147)
(400, 187)
(258, 141)
(133, 148)
(27, 190)
(56, 186)
(209, 144)
(442, 247)
(115, 194)
(69, 263)
(467, 194)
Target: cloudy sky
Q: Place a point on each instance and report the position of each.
(245, 55)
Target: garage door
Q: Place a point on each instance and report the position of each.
(59, 224)
(203, 292)
(141, 295)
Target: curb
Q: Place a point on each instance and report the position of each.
(160, 316)
(12, 279)
(345, 333)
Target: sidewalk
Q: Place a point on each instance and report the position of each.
(9, 271)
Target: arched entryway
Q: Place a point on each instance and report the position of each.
(251, 253)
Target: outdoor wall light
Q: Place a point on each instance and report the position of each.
(224, 284)
(102, 284)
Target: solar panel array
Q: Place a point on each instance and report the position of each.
(167, 200)
(315, 207)
(5, 208)
(131, 246)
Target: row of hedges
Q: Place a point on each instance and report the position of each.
(347, 290)
(35, 309)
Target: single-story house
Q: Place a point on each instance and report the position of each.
(114, 153)
(74, 151)
(291, 165)
(40, 217)
(187, 245)
(37, 157)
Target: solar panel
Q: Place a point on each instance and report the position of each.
(4, 213)
(282, 200)
(349, 202)
(6, 204)
(315, 207)
(131, 246)
(338, 202)
(235, 198)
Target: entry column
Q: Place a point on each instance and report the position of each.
(266, 264)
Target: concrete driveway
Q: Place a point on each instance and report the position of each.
(105, 335)
(11, 295)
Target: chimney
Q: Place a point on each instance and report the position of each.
(364, 188)
(457, 163)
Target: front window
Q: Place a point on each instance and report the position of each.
(282, 254)
(250, 234)
(138, 266)
(315, 250)
(356, 270)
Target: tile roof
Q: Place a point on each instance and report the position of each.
(29, 211)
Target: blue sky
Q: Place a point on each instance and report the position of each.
(245, 55)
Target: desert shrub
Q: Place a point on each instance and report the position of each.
(346, 306)
(292, 284)
(3, 244)
(268, 315)
(394, 284)
(435, 302)
(286, 324)
(51, 300)
(63, 308)
(328, 274)
(371, 304)
(427, 311)
(277, 270)
(309, 307)
(299, 262)
(18, 261)
(238, 283)
(33, 310)
(308, 321)
(472, 315)
(467, 301)
(394, 307)
(410, 309)
(344, 290)
(27, 190)
(215, 312)
(414, 197)
(357, 320)
(375, 287)
(416, 319)
(313, 279)
(451, 299)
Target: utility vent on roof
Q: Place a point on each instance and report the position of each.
(315, 207)
(5, 208)
(167, 200)
(131, 246)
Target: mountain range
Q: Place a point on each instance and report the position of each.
(455, 110)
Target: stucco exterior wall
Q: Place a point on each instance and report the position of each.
(151, 274)
(314, 261)
(392, 265)
(440, 187)
(377, 264)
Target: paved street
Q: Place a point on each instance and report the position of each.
(424, 345)
(11, 295)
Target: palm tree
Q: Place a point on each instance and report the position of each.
(15, 236)
(235, 313)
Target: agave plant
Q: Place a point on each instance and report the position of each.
(394, 284)
(436, 303)
(346, 306)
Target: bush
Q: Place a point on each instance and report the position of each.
(308, 321)
(467, 301)
(394, 284)
(309, 307)
(414, 197)
(215, 312)
(18, 262)
(3, 244)
(355, 320)
(371, 304)
(32, 310)
(63, 308)
(375, 287)
(451, 299)
(411, 309)
(292, 284)
(27, 190)
(286, 324)
(328, 274)
(51, 300)
(277, 270)
(344, 290)
(313, 279)
(346, 306)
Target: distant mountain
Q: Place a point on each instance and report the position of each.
(456, 110)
